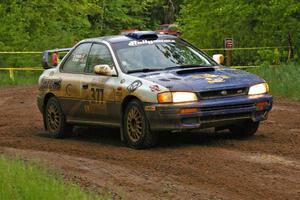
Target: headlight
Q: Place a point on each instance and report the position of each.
(261, 88)
(176, 97)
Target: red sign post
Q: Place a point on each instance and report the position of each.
(228, 43)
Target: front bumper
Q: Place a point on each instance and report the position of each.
(210, 112)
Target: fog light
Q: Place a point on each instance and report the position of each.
(261, 105)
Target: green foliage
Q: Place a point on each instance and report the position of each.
(272, 57)
(251, 23)
(20, 78)
(18, 180)
(36, 25)
(283, 81)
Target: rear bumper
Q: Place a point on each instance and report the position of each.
(210, 112)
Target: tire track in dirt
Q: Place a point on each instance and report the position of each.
(4, 100)
(200, 165)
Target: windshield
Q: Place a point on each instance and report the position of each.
(158, 55)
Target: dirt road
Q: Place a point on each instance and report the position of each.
(191, 166)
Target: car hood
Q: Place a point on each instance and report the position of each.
(201, 78)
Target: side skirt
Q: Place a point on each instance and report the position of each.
(93, 123)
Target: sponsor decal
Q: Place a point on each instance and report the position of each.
(69, 89)
(134, 85)
(149, 42)
(217, 80)
(224, 76)
(154, 88)
(79, 58)
(52, 84)
(204, 75)
(212, 78)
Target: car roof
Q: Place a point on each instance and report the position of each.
(123, 38)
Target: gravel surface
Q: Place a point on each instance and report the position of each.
(201, 165)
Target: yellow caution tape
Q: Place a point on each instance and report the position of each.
(21, 52)
(210, 49)
(253, 66)
(22, 69)
(248, 48)
(244, 67)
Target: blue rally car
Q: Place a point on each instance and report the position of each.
(145, 83)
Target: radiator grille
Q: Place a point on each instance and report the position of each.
(222, 93)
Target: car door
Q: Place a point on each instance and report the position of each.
(98, 97)
(71, 73)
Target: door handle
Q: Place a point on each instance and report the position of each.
(85, 86)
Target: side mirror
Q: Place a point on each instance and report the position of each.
(104, 70)
(219, 58)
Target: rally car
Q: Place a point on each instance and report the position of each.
(146, 83)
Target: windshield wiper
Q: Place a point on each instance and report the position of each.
(142, 70)
(186, 66)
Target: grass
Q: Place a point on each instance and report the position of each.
(20, 78)
(284, 80)
(28, 181)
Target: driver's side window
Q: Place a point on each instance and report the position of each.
(99, 55)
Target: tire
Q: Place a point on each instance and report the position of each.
(136, 127)
(55, 120)
(246, 129)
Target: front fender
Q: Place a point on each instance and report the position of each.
(143, 89)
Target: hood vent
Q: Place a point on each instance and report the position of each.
(195, 70)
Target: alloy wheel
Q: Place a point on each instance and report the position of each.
(134, 124)
(53, 118)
